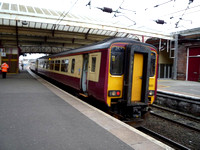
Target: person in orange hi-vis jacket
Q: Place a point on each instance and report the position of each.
(4, 69)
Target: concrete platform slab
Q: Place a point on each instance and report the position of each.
(177, 87)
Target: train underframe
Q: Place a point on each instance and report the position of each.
(122, 108)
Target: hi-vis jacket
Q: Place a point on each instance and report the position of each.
(4, 67)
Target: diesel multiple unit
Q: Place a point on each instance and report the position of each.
(120, 72)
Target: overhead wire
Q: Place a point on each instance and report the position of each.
(63, 15)
(161, 4)
(176, 24)
(127, 9)
(118, 8)
(186, 14)
(179, 11)
(134, 22)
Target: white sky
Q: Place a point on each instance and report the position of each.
(30, 56)
(145, 15)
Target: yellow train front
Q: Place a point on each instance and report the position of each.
(119, 72)
(132, 79)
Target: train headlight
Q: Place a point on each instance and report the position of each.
(114, 93)
(151, 93)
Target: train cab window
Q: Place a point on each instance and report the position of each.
(51, 65)
(64, 65)
(93, 64)
(117, 59)
(57, 65)
(73, 65)
(153, 61)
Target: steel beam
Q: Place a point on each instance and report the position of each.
(175, 58)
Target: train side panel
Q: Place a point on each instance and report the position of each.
(96, 73)
(71, 77)
(97, 86)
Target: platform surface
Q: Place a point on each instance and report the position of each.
(178, 87)
(35, 115)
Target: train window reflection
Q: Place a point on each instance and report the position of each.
(73, 66)
(153, 61)
(64, 65)
(57, 65)
(47, 65)
(40, 63)
(51, 65)
(93, 64)
(117, 59)
(44, 64)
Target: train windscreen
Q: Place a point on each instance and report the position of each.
(153, 61)
(117, 60)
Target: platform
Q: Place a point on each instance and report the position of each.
(35, 115)
(177, 87)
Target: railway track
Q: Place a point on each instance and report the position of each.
(190, 117)
(164, 139)
(176, 126)
(179, 118)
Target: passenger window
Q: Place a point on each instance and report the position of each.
(93, 64)
(47, 65)
(44, 64)
(73, 66)
(41, 63)
(153, 61)
(57, 65)
(51, 65)
(117, 61)
(64, 65)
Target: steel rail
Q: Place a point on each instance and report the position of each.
(182, 124)
(163, 138)
(176, 112)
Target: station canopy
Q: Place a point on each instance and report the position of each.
(42, 30)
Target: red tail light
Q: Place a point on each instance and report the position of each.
(114, 93)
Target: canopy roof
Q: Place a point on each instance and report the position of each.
(35, 29)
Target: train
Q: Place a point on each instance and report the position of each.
(120, 72)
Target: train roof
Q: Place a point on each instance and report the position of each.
(99, 45)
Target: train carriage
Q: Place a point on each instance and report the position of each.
(117, 71)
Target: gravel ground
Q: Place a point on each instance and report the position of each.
(182, 135)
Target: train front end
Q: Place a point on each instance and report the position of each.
(132, 78)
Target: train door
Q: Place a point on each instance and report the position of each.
(84, 73)
(137, 80)
(136, 76)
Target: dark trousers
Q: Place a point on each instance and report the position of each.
(4, 74)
